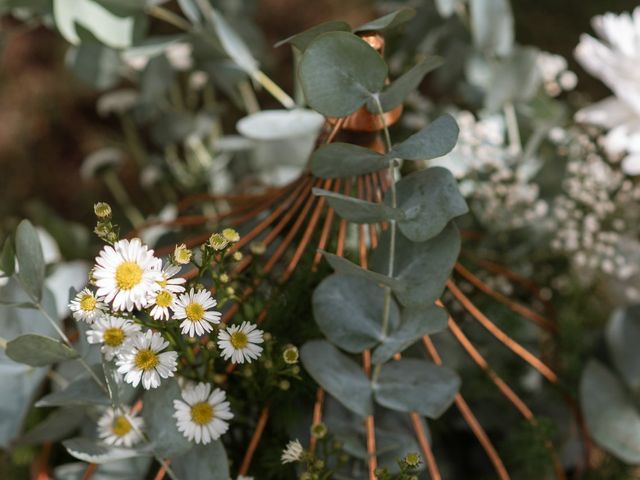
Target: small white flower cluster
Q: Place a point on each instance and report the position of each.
(594, 215)
(130, 280)
(556, 76)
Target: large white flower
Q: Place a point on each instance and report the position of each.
(202, 414)
(614, 59)
(86, 307)
(142, 360)
(126, 274)
(240, 343)
(112, 333)
(194, 308)
(115, 429)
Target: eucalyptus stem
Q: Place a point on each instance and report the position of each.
(168, 16)
(273, 88)
(392, 234)
(248, 97)
(513, 131)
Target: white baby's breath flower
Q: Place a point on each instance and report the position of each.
(240, 343)
(112, 333)
(202, 414)
(142, 360)
(194, 307)
(86, 306)
(115, 429)
(126, 274)
(292, 452)
(614, 59)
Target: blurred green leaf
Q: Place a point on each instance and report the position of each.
(429, 200)
(338, 375)
(339, 72)
(515, 78)
(202, 461)
(8, 258)
(435, 140)
(623, 337)
(349, 309)
(342, 265)
(388, 21)
(82, 391)
(610, 413)
(56, 426)
(394, 94)
(30, 259)
(416, 323)
(232, 43)
(411, 385)
(492, 26)
(357, 210)
(95, 65)
(38, 351)
(91, 451)
(346, 160)
(302, 40)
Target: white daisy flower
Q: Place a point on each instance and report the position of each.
(161, 301)
(142, 360)
(167, 280)
(86, 306)
(194, 308)
(201, 414)
(115, 429)
(112, 333)
(240, 343)
(126, 274)
(292, 452)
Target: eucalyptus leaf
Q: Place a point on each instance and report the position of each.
(233, 44)
(515, 78)
(157, 78)
(302, 40)
(434, 140)
(388, 21)
(492, 26)
(160, 425)
(342, 265)
(56, 426)
(394, 94)
(623, 337)
(610, 413)
(8, 258)
(30, 259)
(128, 469)
(416, 323)
(346, 160)
(429, 200)
(91, 451)
(421, 269)
(95, 65)
(82, 391)
(339, 72)
(190, 10)
(357, 210)
(202, 461)
(338, 375)
(349, 309)
(38, 351)
(410, 385)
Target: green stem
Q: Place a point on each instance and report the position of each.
(392, 235)
(248, 97)
(273, 88)
(169, 17)
(512, 128)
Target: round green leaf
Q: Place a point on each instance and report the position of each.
(356, 210)
(338, 375)
(388, 21)
(411, 385)
(346, 160)
(38, 351)
(302, 40)
(610, 413)
(429, 199)
(348, 310)
(339, 72)
(433, 141)
(623, 338)
(202, 461)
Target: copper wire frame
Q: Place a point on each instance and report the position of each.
(287, 209)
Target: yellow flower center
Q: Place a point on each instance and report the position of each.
(146, 359)
(113, 336)
(164, 298)
(163, 282)
(88, 302)
(128, 275)
(120, 426)
(239, 340)
(202, 413)
(194, 312)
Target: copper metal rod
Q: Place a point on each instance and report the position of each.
(434, 471)
(317, 417)
(514, 346)
(526, 312)
(326, 229)
(255, 439)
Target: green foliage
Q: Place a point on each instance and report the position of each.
(388, 21)
(409, 385)
(339, 72)
(8, 258)
(345, 160)
(57, 426)
(338, 375)
(492, 26)
(348, 310)
(82, 391)
(302, 40)
(342, 265)
(96, 65)
(202, 461)
(30, 259)
(623, 337)
(433, 141)
(38, 351)
(91, 451)
(356, 210)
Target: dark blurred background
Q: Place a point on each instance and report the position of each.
(48, 122)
